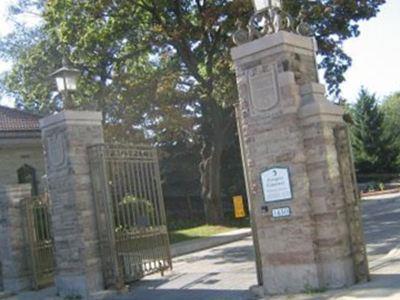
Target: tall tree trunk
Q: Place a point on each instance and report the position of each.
(210, 176)
(216, 126)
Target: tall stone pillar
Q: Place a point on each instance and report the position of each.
(303, 199)
(66, 137)
(15, 274)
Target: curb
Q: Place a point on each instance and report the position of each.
(187, 247)
(392, 256)
(386, 197)
(381, 193)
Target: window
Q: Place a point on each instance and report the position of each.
(27, 174)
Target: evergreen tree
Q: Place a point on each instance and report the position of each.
(391, 109)
(374, 149)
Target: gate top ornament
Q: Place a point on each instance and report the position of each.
(269, 18)
(260, 5)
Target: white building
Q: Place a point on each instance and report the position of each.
(21, 152)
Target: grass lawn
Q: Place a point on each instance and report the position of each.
(181, 235)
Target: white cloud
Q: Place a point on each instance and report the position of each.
(5, 25)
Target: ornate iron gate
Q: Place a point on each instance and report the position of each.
(40, 242)
(130, 212)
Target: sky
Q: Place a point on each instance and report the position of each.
(375, 53)
(6, 27)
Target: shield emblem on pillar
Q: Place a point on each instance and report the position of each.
(263, 89)
(56, 150)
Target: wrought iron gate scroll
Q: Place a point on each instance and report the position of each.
(130, 212)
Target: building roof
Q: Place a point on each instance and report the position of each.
(15, 120)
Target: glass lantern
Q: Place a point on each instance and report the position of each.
(66, 80)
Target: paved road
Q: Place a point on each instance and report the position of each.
(226, 272)
(221, 273)
(381, 225)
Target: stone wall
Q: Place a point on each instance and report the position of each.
(13, 246)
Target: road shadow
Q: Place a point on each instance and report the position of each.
(381, 221)
(226, 255)
(381, 286)
(192, 294)
(185, 286)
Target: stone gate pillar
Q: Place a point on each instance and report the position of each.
(303, 200)
(66, 137)
(15, 274)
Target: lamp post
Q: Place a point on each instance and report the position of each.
(66, 79)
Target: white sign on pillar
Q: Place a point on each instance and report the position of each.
(276, 185)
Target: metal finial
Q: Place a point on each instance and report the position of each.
(241, 36)
(271, 19)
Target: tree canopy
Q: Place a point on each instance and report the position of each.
(161, 66)
(391, 109)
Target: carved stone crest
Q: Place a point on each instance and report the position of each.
(263, 88)
(55, 148)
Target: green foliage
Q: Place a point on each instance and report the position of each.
(374, 186)
(108, 37)
(376, 177)
(201, 231)
(229, 221)
(138, 203)
(334, 22)
(232, 173)
(132, 211)
(391, 109)
(179, 166)
(374, 150)
(179, 224)
(161, 66)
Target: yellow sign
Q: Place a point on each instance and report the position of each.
(238, 205)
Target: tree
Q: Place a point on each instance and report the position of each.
(334, 21)
(391, 109)
(164, 66)
(374, 151)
